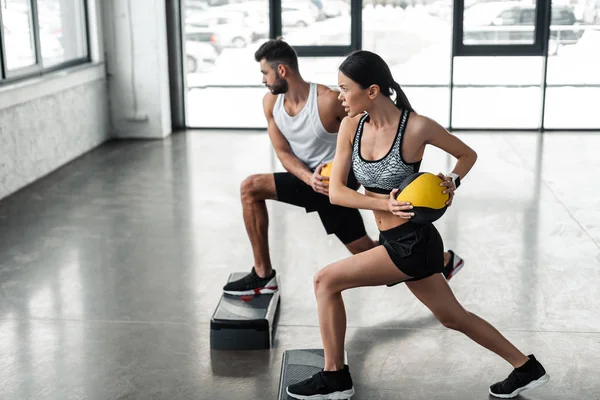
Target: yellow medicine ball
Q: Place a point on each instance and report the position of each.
(326, 171)
(423, 191)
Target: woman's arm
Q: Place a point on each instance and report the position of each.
(434, 134)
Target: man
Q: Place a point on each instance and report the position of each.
(302, 121)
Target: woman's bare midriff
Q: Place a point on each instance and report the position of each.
(385, 220)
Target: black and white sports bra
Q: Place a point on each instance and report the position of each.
(387, 173)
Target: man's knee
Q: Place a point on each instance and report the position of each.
(255, 188)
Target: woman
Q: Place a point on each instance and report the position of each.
(384, 142)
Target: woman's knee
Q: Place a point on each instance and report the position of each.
(454, 321)
(323, 281)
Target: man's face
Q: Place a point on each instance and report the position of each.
(271, 78)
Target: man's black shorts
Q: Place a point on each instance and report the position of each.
(346, 223)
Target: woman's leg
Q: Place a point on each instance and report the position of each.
(371, 268)
(435, 293)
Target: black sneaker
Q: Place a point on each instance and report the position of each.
(528, 376)
(252, 284)
(454, 265)
(324, 385)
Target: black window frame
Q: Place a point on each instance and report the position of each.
(539, 47)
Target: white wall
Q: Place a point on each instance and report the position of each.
(48, 121)
(136, 51)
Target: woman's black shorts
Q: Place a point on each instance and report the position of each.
(417, 250)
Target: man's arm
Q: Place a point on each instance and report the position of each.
(282, 148)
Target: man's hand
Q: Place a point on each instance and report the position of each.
(316, 181)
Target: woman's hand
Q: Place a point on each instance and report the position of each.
(448, 187)
(397, 208)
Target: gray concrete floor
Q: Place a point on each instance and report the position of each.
(111, 267)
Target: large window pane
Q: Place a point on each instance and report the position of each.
(210, 96)
(434, 102)
(17, 32)
(221, 37)
(497, 107)
(415, 41)
(62, 31)
(497, 92)
(225, 25)
(316, 22)
(572, 107)
(573, 69)
(499, 23)
(219, 107)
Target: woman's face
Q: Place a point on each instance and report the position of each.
(353, 97)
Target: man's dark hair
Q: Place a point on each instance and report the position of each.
(276, 51)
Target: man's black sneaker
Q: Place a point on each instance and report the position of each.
(324, 385)
(252, 284)
(454, 265)
(529, 375)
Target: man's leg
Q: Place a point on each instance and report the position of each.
(361, 244)
(261, 280)
(254, 191)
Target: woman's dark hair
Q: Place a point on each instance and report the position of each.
(367, 68)
(276, 51)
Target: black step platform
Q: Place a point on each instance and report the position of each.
(298, 365)
(243, 322)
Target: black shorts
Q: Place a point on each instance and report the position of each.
(346, 223)
(417, 250)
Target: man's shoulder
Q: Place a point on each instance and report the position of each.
(326, 93)
(329, 104)
(269, 102)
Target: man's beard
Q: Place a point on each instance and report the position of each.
(280, 86)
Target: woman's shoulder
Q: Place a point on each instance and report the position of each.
(351, 123)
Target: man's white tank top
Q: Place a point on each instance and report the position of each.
(305, 132)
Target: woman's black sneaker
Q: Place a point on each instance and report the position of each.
(528, 376)
(324, 385)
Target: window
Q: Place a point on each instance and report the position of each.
(468, 64)
(417, 45)
(38, 35)
(316, 22)
(17, 32)
(62, 31)
(499, 28)
(573, 81)
(528, 17)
